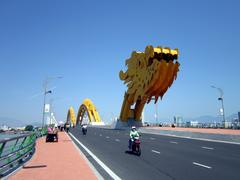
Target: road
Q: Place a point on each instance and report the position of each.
(163, 157)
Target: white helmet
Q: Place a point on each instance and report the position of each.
(133, 127)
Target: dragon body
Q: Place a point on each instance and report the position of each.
(148, 76)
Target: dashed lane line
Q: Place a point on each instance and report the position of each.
(156, 151)
(209, 148)
(173, 142)
(202, 165)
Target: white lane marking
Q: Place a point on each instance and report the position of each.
(107, 137)
(210, 148)
(100, 134)
(117, 140)
(202, 165)
(107, 169)
(156, 151)
(152, 138)
(173, 142)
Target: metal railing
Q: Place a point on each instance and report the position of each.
(15, 151)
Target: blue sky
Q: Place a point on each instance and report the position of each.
(87, 42)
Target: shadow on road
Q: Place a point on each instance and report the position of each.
(130, 152)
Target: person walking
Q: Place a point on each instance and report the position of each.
(67, 127)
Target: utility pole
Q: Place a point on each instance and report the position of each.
(45, 84)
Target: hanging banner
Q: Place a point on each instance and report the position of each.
(47, 108)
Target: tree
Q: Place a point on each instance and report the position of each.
(29, 128)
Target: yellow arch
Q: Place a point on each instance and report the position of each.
(71, 116)
(88, 107)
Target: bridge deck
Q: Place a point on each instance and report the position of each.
(56, 161)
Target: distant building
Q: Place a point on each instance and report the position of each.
(236, 123)
(4, 128)
(238, 116)
(193, 123)
(178, 121)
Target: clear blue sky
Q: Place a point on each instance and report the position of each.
(87, 42)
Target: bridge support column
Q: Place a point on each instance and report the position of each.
(119, 124)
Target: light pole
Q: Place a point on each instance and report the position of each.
(156, 106)
(45, 84)
(51, 111)
(156, 111)
(221, 99)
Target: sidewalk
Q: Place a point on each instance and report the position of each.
(56, 160)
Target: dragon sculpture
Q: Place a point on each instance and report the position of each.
(148, 77)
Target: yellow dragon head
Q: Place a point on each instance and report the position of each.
(149, 75)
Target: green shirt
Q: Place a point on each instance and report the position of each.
(134, 134)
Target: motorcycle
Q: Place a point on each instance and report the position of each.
(136, 146)
(84, 130)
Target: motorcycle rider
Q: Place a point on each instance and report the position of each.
(133, 133)
(84, 128)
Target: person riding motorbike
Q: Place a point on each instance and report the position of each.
(84, 129)
(133, 134)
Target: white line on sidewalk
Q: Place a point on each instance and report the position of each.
(207, 148)
(173, 142)
(117, 140)
(202, 165)
(156, 151)
(107, 169)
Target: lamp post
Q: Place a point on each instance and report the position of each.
(45, 84)
(156, 106)
(51, 111)
(156, 111)
(221, 99)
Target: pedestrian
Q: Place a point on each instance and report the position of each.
(67, 127)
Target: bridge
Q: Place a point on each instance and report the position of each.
(166, 154)
(149, 75)
(87, 113)
(163, 156)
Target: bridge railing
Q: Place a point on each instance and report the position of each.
(16, 150)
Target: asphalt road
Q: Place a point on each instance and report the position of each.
(163, 157)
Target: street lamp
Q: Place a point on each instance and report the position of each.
(45, 84)
(156, 110)
(221, 99)
(51, 112)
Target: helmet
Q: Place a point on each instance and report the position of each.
(133, 127)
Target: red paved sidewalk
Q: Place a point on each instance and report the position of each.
(58, 160)
(201, 130)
